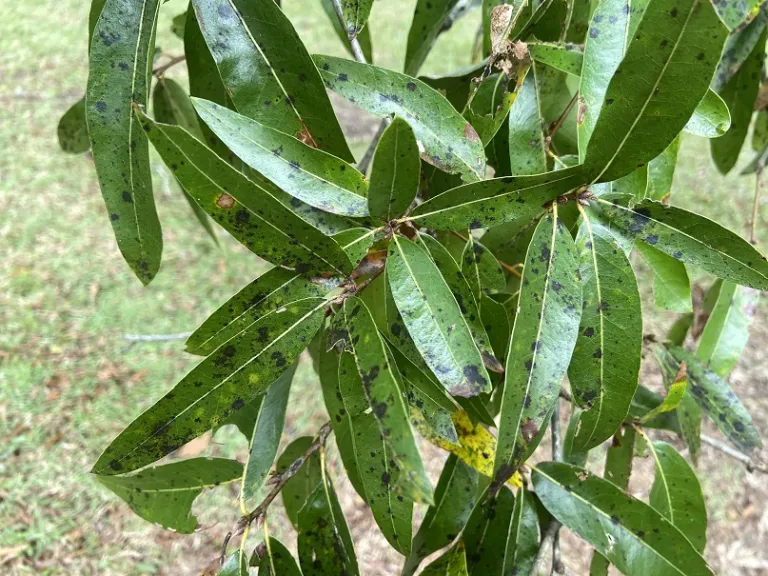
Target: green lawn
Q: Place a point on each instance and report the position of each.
(68, 380)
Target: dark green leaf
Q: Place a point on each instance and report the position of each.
(268, 72)
(249, 211)
(629, 533)
(119, 63)
(676, 44)
(448, 141)
(481, 269)
(224, 382)
(395, 172)
(434, 320)
(711, 118)
(543, 336)
(364, 37)
(178, 23)
(564, 57)
(355, 14)
(164, 494)
(456, 85)
(671, 286)
(97, 6)
(311, 175)
(299, 487)
(661, 171)
(496, 323)
(278, 560)
(488, 108)
(575, 457)
(692, 239)
(452, 563)
(606, 360)
(527, 147)
(428, 19)
(73, 131)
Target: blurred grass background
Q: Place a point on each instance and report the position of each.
(68, 380)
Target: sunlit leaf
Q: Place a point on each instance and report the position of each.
(711, 118)
(452, 563)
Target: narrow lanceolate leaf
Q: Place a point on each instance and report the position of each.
(428, 19)
(268, 72)
(676, 494)
(527, 150)
(481, 269)
(299, 487)
(324, 542)
(220, 385)
(693, 240)
(265, 438)
(452, 563)
(675, 395)
(121, 54)
(739, 95)
(395, 172)
(355, 14)
(735, 14)
(164, 494)
(711, 118)
(606, 360)
(497, 201)
(73, 131)
(385, 398)
(738, 47)
(727, 329)
(464, 296)
(628, 532)
(564, 57)
(661, 171)
(677, 44)
(277, 560)
(248, 211)
(718, 400)
(543, 336)
(671, 286)
(448, 141)
(434, 320)
(311, 175)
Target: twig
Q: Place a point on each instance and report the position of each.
(565, 395)
(160, 70)
(156, 337)
(458, 11)
(557, 456)
(559, 122)
(752, 465)
(547, 540)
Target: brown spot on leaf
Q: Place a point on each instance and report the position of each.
(225, 201)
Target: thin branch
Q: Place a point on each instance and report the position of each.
(559, 122)
(156, 337)
(160, 70)
(557, 456)
(752, 465)
(549, 536)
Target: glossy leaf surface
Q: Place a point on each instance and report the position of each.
(711, 119)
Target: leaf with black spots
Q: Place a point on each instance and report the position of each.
(427, 23)
(268, 72)
(299, 487)
(72, 130)
(447, 140)
(363, 37)
(452, 563)
(164, 494)
(395, 172)
(543, 337)
(738, 47)
(490, 103)
(356, 242)
(564, 57)
(691, 239)
(527, 145)
(277, 560)
(220, 385)
(671, 286)
(711, 119)
(120, 58)
(481, 269)
(736, 14)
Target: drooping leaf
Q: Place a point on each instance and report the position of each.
(448, 141)
(73, 131)
(543, 337)
(606, 360)
(363, 37)
(739, 95)
(738, 47)
(244, 208)
(452, 563)
(481, 269)
(711, 119)
(564, 57)
(671, 286)
(691, 239)
(164, 494)
(268, 72)
(527, 146)
(120, 59)
(497, 201)
(277, 560)
(428, 19)
(235, 373)
(265, 438)
(629, 533)
(434, 320)
(395, 172)
(675, 44)
(311, 175)
(301, 486)
(661, 171)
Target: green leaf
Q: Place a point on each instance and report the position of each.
(488, 108)
(236, 565)
(265, 438)
(676, 494)
(452, 563)
(527, 146)
(324, 543)
(355, 14)
(428, 19)
(675, 395)
(301, 486)
(278, 560)
(448, 141)
(671, 286)
(364, 37)
(164, 494)
(268, 72)
(661, 171)
(718, 400)
(629, 533)
(456, 85)
(726, 332)
(564, 57)
(434, 320)
(735, 14)
(606, 360)
(496, 323)
(454, 500)
(356, 242)
(543, 336)
(481, 269)
(178, 23)
(120, 58)
(220, 385)
(676, 44)
(247, 210)
(737, 49)
(711, 119)
(691, 239)
(739, 95)
(395, 172)
(311, 175)
(646, 401)
(496, 201)
(73, 131)
(382, 391)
